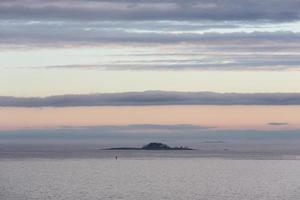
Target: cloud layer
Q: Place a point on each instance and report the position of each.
(147, 132)
(275, 10)
(225, 35)
(154, 98)
(278, 123)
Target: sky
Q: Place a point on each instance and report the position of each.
(57, 47)
(205, 117)
(121, 54)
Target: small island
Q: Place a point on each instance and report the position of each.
(152, 146)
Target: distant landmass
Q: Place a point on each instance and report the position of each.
(152, 146)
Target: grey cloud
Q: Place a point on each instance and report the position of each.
(169, 127)
(103, 132)
(265, 65)
(40, 33)
(68, 34)
(225, 61)
(139, 127)
(154, 98)
(275, 10)
(146, 132)
(221, 50)
(278, 123)
(61, 34)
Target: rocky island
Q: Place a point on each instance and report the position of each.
(152, 146)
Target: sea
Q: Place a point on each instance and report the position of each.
(96, 174)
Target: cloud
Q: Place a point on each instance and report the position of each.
(214, 29)
(154, 98)
(132, 131)
(278, 123)
(169, 127)
(144, 132)
(223, 62)
(140, 127)
(275, 10)
(80, 34)
(216, 50)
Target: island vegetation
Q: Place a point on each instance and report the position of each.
(152, 146)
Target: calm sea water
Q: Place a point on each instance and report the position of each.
(145, 176)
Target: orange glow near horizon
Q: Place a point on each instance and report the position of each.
(222, 117)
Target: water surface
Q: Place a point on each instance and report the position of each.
(150, 175)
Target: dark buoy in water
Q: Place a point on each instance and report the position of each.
(116, 157)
